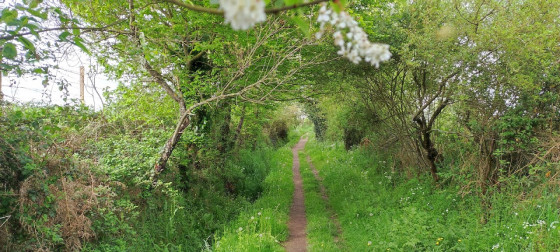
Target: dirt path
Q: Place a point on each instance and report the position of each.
(325, 196)
(297, 241)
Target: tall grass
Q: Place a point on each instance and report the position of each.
(380, 210)
(262, 226)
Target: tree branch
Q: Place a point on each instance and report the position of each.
(440, 90)
(221, 12)
(87, 29)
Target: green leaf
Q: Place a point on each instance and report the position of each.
(27, 44)
(34, 3)
(33, 29)
(9, 51)
(37, 13)
(8, 15)
(64, 35)
(302, 24)
(79, 42)
(76, 31)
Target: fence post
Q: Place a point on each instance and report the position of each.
(82, 85)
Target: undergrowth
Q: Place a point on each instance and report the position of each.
(262, 226)
(383, 210)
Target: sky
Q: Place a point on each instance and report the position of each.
(30, 88)
(27, 89)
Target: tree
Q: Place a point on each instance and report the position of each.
(196, 66)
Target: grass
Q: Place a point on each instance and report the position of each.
(381, 211)
(320, 228)
(262, 226)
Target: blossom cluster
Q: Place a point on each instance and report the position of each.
(243, 14)
(351, 38)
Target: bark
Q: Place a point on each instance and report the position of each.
(170, 146)
(225, 131)
(425, 126)
(237, 137)
(424, 135)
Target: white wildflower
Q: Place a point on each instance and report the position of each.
(496, 246)
(354, 44)
(243, 14)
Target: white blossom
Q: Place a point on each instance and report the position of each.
(243, 14)
(351, 39)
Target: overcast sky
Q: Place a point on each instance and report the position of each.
(30, 89)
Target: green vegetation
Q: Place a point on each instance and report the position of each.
(320, 228)
(380, 209)
(450, 144)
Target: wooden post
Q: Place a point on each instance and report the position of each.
(82, 85)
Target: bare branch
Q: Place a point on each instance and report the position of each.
(440, 90)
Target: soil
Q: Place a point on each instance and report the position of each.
(297, 240)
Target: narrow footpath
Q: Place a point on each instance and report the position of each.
(297, 240)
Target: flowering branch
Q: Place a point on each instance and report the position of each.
(221, 12)
(351, 38)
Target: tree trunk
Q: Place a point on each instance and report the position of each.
(237, 137)
(170, 146)
(424, 135)
(225, 141)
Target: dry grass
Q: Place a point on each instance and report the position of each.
(73, 196)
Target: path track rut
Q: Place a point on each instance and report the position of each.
(297, 241)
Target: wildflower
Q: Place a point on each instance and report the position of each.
(252, 217)
(369, 243)
(259, 213)
(351, 39)
(243, 14)
(496, 246)
(459, 240)
(553, 224)
(437, 243)
(370, 214)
